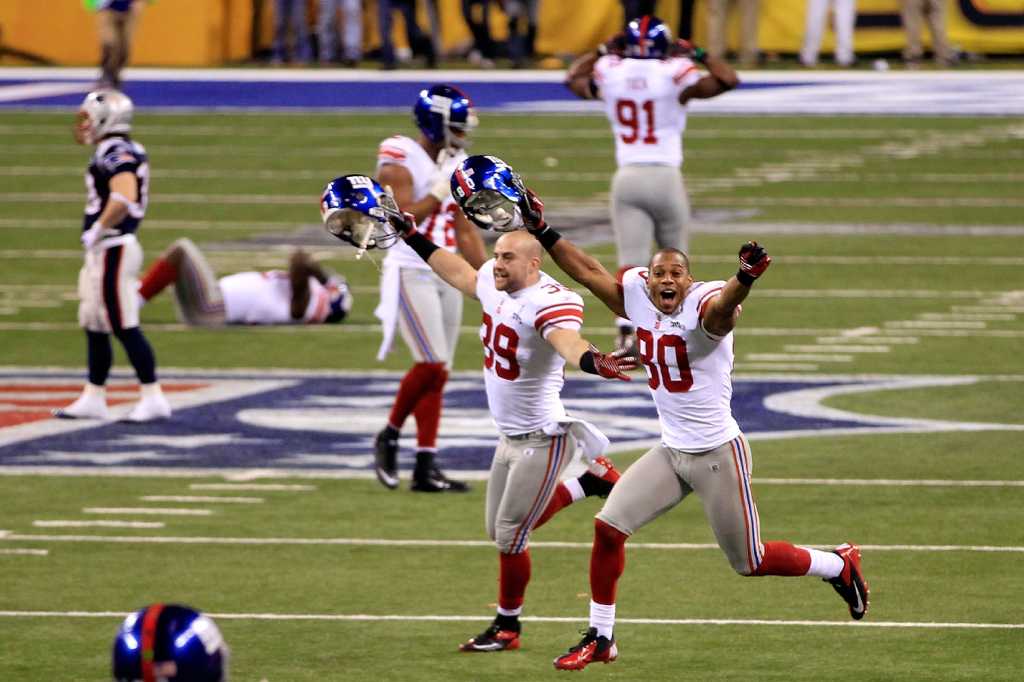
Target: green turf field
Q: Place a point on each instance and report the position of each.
(874, 273)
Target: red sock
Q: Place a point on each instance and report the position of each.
(428, 410)
(782, 558)
(513, 577)
(415, 383)
(607, 562)
(561, 498)
(160, 274)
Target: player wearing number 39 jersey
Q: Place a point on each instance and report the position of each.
(646, 81)
(531, 327)
(684, 340)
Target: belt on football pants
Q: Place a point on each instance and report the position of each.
(539, 433)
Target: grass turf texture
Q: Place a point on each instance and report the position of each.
(838, 170)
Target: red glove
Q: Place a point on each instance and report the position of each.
(754, 260)
(532, 209)
(404, 224)
(608, 365)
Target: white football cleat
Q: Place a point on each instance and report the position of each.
(151, 407)
(91, 404)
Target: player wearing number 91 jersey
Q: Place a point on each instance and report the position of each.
(646, 82)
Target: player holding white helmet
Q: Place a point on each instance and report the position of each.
(117, 182)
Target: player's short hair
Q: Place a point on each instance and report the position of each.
(670, 250)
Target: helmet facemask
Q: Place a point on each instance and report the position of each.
(492, 210)
(365, 231)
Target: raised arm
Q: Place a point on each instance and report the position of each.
(580, 76)
(451, 268)
(573, 261)
(469, 242)
(301, 267)
(723, 311)
(721, 76)
(583, 355)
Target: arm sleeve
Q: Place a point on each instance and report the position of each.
(562, 311)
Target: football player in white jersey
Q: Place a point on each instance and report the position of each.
(117, 181)
(646, 81)
(530, 330)
(685, 341)
(304, 294)
(426, 311)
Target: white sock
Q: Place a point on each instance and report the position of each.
(602, 617)
(91, 390)
(824, 564)
(509, 612)
(575, 489)
(150, 390)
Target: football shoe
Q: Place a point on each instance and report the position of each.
(91, 404)
(591, 649)
(385, 459)
(493, 638)
(599, 478)
(850, 583)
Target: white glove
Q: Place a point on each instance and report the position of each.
(447, 162)
(92, 235)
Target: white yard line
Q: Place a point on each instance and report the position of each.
(427, 543)
(253, 486)
(837, 349)
(369, 618)
(155, 511)
(776, 366)
(798, 357)
(201, 498)
(18, 551)
(898, 482)
(99, 524)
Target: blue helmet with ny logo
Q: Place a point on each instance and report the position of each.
(445, 115)
(357, 210)
(171, 643)
(647, 37)
(489, 192)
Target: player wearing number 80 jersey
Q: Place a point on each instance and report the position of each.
(646, 80)
(684, 338)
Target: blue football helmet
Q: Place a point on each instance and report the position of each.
(357, 210)
(489, 193)
(169, 643)
(339, 301)
(445, 115)
(647, 37)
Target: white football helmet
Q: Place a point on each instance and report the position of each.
(104, 112)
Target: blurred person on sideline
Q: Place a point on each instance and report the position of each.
(844, 18)
(116, 21)
(914, 13)
(477, 14)
(522, 30)
(290, 17)
(351, 33)
(718, 15)
(419, 43)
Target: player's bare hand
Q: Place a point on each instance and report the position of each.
(615, 45)
(754, 260)
(684, 48)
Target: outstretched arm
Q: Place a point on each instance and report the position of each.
(451, 268)
(724, 310)
(575, 262)
(468, 241)
(582, 354)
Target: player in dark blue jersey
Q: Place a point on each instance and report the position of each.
(117, 182)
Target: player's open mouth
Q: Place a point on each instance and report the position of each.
(667, 295)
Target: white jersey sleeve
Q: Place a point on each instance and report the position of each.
(641, 98)
(439, 226)
(523, 373)
(689, 371)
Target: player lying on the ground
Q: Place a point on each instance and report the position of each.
(531, 327)
(306, 294)
(684, 336)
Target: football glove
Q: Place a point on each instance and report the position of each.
(684, 48)
(404, 224)
(532, 209)
(608, 365)
(754, 260)
(91, 236)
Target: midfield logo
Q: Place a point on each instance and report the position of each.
(324, 423)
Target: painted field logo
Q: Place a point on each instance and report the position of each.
(324, 424)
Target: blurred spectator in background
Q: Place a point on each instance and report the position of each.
(637, 8)
(844, 16)
(418, 42)
(477, 14)
(115, 21)
(686, 18)
(522, 30)
(718, 18)
(352, 33)
(291, 14)
(913, 13)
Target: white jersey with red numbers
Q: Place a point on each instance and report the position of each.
(266, 298)
(689, 370)
(439, 226)
(522, 371)
(641, 99)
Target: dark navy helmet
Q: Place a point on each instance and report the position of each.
(339, 299)
(169, 643)
(647, 37)
(445, 115)
(356, 209)
(489, 191)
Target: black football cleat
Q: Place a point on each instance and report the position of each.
(433, 481)
(385, 459)
(599, 478)
(492, 639)
(850, 583)
(591, 649)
